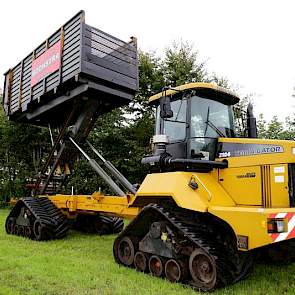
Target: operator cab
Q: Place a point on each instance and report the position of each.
(193, 116)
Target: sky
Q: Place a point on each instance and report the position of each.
(251, 43)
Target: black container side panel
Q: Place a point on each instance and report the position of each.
(110, 59)
(15, 88)
(5, 99)
(18, 94)
(109, 64)
(71, 60)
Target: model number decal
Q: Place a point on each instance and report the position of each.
(224, 154)
(228, 149)
(247, 175)
(257, 151)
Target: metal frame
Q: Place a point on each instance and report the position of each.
(89, 56)
(119, 177)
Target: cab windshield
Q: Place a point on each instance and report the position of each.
(208, 119)
(198, 122)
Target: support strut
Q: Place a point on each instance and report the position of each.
(99, 170)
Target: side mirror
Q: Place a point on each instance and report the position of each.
(251, 122)
(165, 108)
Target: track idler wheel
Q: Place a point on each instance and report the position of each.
(38, 229)
(126, 251)
(203, 270)
(140, 261)
(175, 271)
(156, 266)
(9, 225)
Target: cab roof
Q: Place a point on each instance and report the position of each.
(207, 90)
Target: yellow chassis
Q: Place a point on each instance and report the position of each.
(113, 205)
(247, 222)
(252, 190)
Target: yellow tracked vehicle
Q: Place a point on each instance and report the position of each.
(211, 199)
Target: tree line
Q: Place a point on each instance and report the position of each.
(123, 135)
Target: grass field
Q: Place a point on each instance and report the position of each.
(83, 264)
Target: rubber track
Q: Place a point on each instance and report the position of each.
(54, 223)
(100, 224)
(201, 235)
(114, 225)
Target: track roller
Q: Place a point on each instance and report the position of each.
(28, 232)
(140, 261)
(126, 251)
(21, 230)
(16, 230)
(175, 271)
(156, 266)
(9, 225)
(38, 229)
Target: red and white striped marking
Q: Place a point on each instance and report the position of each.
(277, 237)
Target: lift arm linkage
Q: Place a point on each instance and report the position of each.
(102, 173)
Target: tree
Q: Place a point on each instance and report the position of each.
(261, 127)
(21, 147)
(290, 127)
(275, 129)
(151, 80)
(181, 65)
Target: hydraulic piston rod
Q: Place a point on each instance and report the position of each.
(114, 171)
(97, 168)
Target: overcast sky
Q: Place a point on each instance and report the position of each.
(251, 43)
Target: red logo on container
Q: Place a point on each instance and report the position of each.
(46, 63)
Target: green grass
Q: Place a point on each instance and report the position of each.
(83, 264)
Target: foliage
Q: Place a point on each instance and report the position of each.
(275, 129)
(181, 65)
(240, 116)
(151, 80)
(21, 147)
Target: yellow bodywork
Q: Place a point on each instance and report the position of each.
(236, 200)
(245, 195)
(87, 204)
